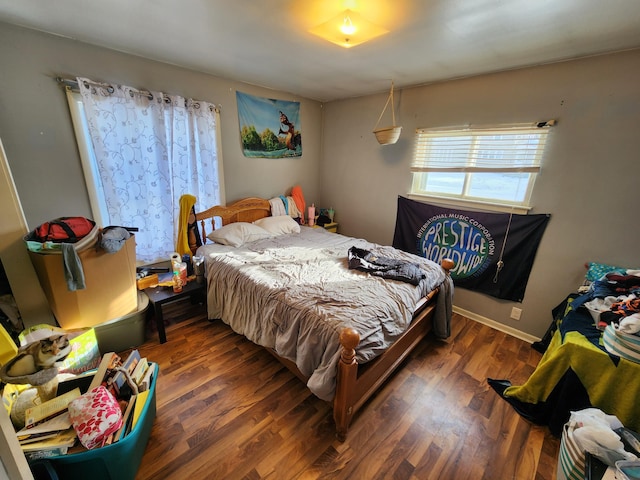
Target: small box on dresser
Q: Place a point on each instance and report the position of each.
(331, 227)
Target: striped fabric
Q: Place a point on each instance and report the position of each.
(571, 457)
(622, 344)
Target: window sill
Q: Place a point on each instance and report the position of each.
(475, 204)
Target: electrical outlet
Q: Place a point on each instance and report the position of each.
(515, 313)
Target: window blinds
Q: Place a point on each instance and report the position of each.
(510, 148)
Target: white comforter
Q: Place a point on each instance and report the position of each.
(295, 293)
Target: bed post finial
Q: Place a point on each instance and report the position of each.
(447, 265)
(349, 339)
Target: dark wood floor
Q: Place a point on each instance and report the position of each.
(226, 409)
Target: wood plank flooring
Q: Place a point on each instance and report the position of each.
(226, 409)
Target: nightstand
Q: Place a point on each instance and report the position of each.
(330, 227)
(159, 296)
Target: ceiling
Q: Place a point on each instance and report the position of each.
(267, 43)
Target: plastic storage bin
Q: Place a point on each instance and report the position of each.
(125, 332)
(119, 461)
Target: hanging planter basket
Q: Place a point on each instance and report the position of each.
(388, 135)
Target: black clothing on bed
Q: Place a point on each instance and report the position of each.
(367, 261)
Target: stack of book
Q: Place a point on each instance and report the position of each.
(48, 431)
(129, 381)
(123, 377)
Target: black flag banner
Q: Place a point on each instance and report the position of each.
(476, 242)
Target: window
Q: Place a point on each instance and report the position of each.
(491, 165)
(141, 151)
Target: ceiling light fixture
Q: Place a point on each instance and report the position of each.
(348, 29)
(347, 26)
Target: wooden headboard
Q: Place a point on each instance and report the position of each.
(246, 210)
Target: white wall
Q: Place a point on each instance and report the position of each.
(38, 137)
(40, 146)
(589, 180)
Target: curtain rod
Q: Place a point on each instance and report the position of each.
(67, 82)
(489, 127)
(73, 86)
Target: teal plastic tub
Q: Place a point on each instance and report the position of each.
(119, 461)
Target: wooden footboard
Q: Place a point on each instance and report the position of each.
(356, 384)
(355, 387)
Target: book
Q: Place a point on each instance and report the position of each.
(107, 365)
(50, 427)
(141, 401)
(45, 453)
(64, 439)
(140, 370)
(119, 379)
(49, 409)
(145, 383)
(36, 437)
(82, 381)
(126, 419)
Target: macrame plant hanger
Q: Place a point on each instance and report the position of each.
(388, 135)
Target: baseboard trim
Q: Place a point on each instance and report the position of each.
(496, 325)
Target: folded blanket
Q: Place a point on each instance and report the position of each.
(293, 208)
(277, 207)
(286, 204)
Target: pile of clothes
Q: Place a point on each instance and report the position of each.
(292, 205)
(614, 300)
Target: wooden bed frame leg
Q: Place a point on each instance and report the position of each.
(343, 408)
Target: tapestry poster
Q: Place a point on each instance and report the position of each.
(269, 128)
(476, 242)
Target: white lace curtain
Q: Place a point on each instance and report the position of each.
(150, 149)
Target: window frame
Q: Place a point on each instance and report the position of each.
(472, 159)
(87, 158)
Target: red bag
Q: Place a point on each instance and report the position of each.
(64, 229)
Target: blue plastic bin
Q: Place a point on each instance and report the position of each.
(118, 461)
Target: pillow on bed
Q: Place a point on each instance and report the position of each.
(237, 234)
(279, 225)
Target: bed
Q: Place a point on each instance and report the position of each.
(341, 330)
